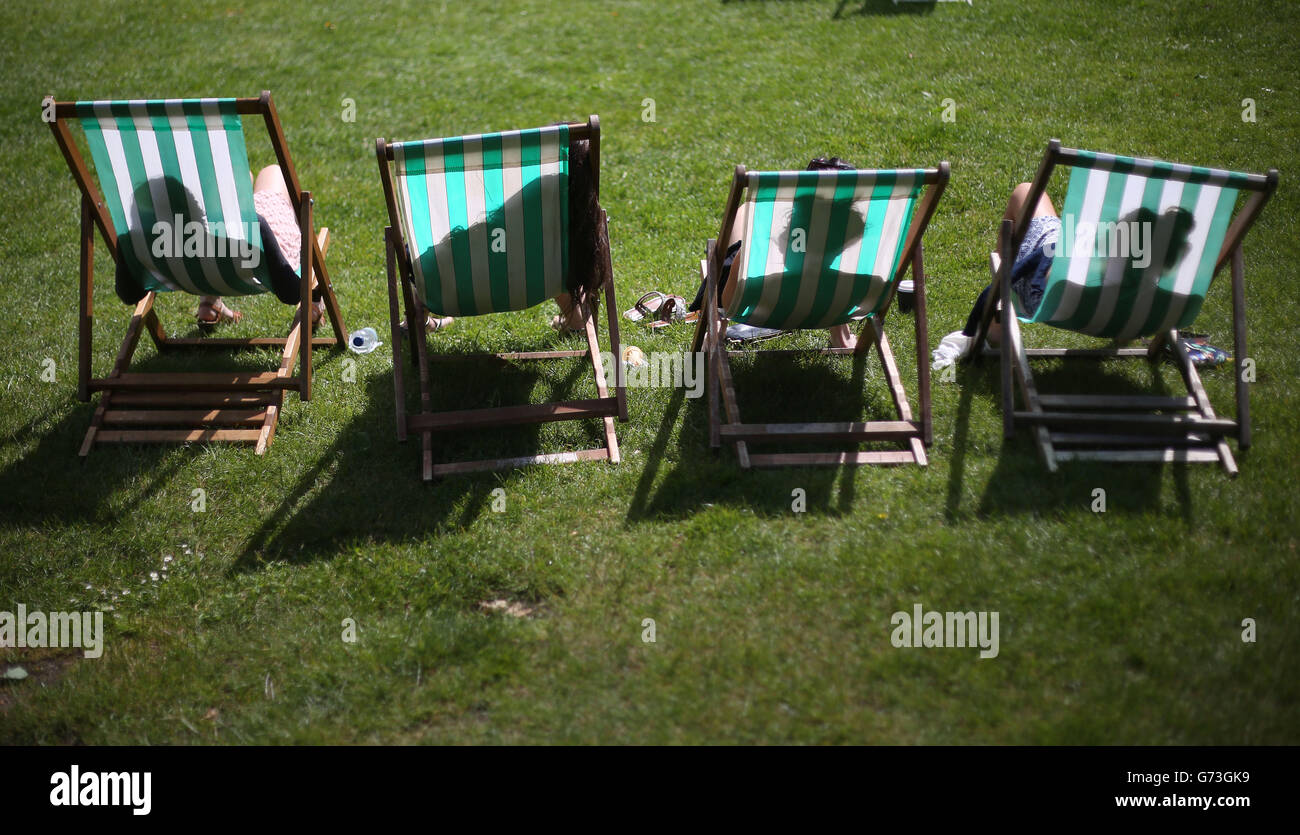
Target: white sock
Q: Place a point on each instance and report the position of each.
(951, 348)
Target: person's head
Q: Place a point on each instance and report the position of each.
(834, 163)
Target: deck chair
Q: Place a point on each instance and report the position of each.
(1098, 286)
(477, 225)
(154, 161)
(821, 248)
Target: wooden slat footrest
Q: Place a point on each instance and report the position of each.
(193, 399)
(1166, 455)
(884, 430)
(176, 436)
(1106, 439)
(1116, 401)
(218, 381)
(205, 418)
(831, 459)
(513, 415)
(1175, 424)
(492, 464)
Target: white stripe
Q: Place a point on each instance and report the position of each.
(778, 240)
(814, 246)
(1206, 204)
(163, 209)
(121, 174)
(194, 183)
(1113, 277)
(1076, 278)
(224, 171)
(1169, 196)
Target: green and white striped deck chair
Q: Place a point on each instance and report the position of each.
(818, 249)
(1141, 241)
(172, 195)
(481, 224)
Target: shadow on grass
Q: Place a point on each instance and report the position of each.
(1021, 484)
(52, 482)
(771, 388)
(367, 485)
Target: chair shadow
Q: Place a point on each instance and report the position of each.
(811, 390)
(881, 7)
(366, 464)
(1021, 484)
(88, 489)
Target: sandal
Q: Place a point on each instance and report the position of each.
(219, 312)
(658, 309)
(431, 323)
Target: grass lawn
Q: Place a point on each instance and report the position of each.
(771, 625)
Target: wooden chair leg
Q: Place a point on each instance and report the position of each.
(1239, 348)
(399, 385)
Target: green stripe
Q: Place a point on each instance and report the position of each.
(1213, 244)
(453, 158)
(760, 238)
(244, 191)
(1163, 296)
(174, 185)
(531, 182)
(837, 227)
(792, 262)
(211, 194)
(417, 192)
(875, 226)
(1092, 290)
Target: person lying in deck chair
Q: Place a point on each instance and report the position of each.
(841, 336)
(281, 243)
(1034, 259)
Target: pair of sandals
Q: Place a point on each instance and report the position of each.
(659, 310)
(209, 315)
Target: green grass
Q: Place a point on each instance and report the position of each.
(1122, 627)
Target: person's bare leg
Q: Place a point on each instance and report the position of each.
(271, 178)
(1015, 204)
(842, 336)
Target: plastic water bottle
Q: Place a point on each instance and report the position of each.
(364, 341)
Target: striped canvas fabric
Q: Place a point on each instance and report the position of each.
(175, 176)
(1138, 245)
(819, 247)
(487, 218)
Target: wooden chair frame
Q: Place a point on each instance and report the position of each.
(401, 283)
(710, 337)
(222, 406)
(1146, 428)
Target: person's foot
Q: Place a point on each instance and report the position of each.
(213, 312)
(952, 348)
(842, 336)
(431, 323)
(574, 319)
